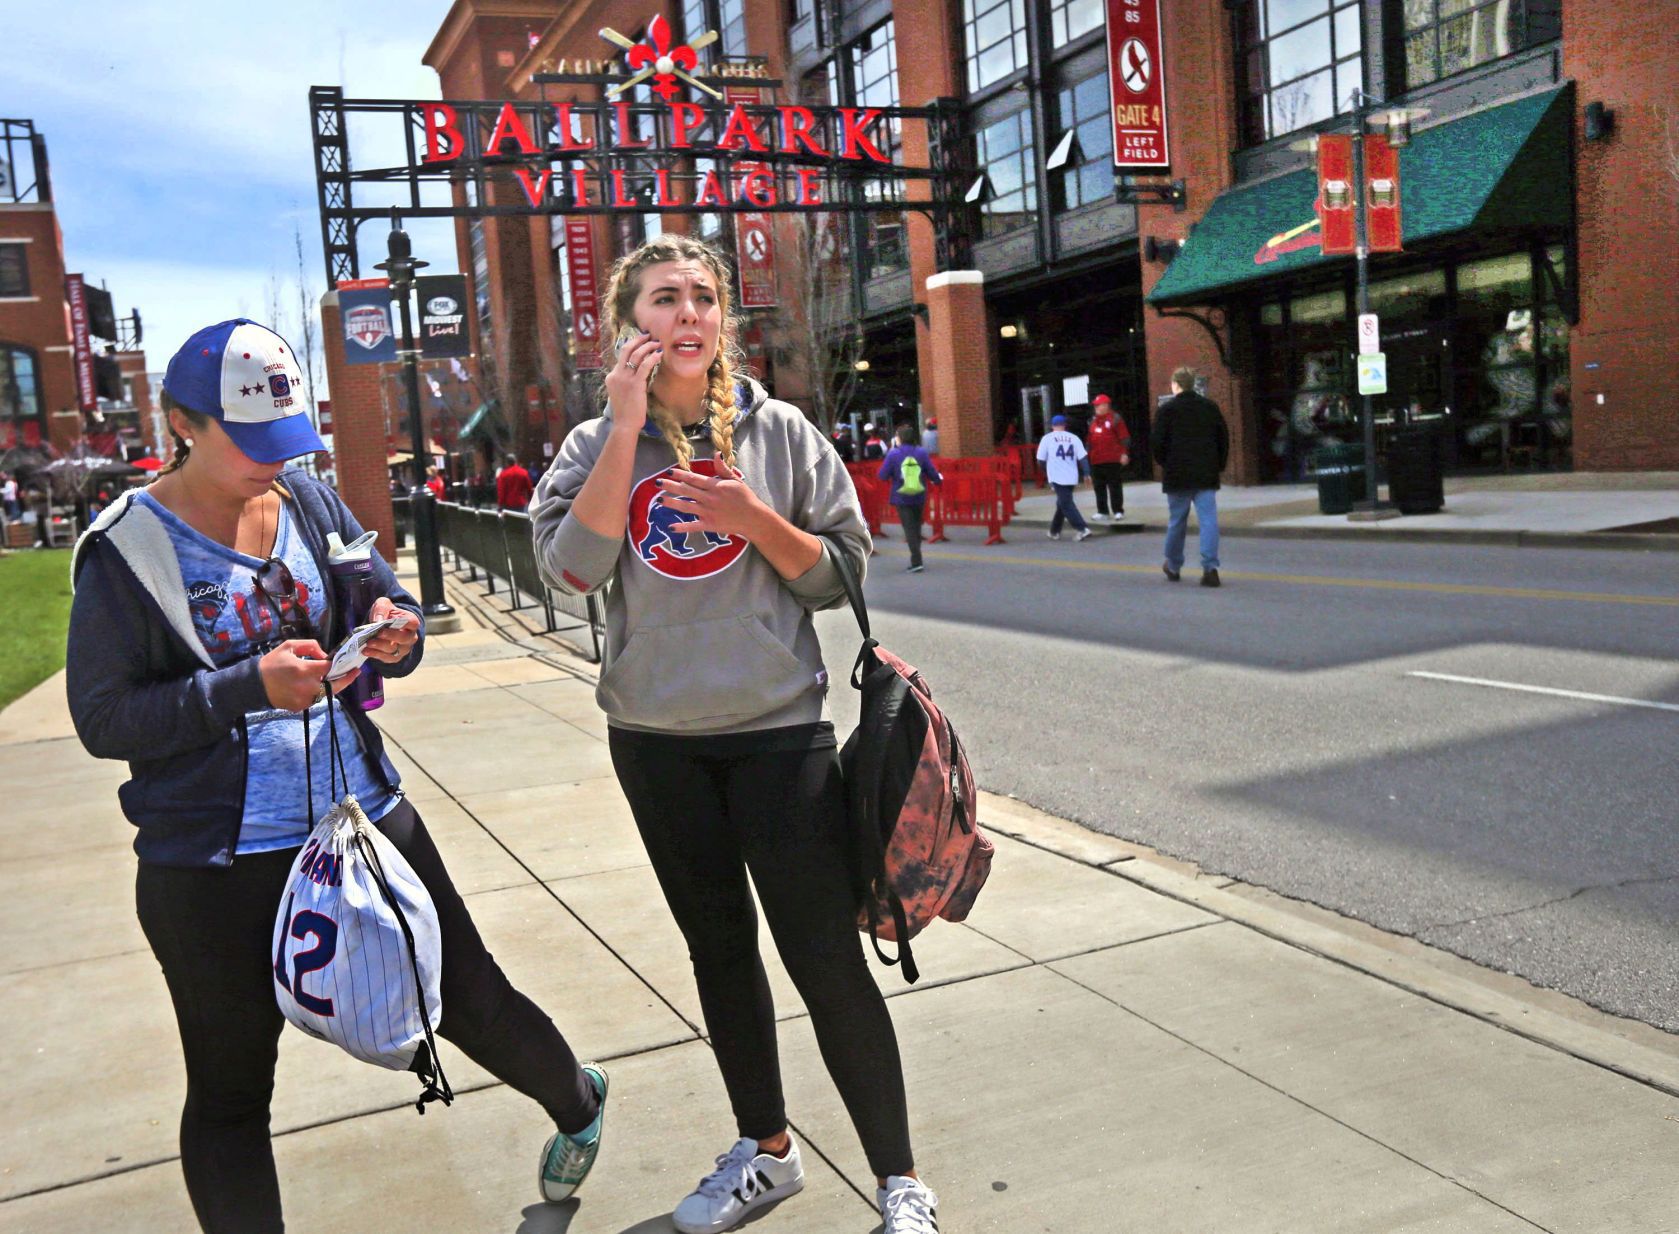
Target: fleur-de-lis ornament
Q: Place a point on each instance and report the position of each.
(664, 59)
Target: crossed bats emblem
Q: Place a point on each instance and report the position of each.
(657, 59)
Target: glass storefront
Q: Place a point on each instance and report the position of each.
(1476, 347)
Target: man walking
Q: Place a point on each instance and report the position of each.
(911, 470)
(1110, 450)
(1192, 445)
(513, 486)
(1063, 457)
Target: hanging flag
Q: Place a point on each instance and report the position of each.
(366, 315)
(1384, 225)
(585, 293)
(1335, 195)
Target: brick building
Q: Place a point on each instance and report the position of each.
(1529, 314)
(43, 402)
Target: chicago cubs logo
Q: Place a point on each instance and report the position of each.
(677, 554)
(280, 385)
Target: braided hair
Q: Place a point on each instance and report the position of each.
(623, 285)
(178, 457)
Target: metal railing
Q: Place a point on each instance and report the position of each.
(498, 544)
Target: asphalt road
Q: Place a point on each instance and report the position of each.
(1274, 730)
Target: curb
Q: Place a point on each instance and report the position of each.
(1621, 541)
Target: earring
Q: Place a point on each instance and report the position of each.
(187, 442)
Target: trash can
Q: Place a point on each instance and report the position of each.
(1415, 474)
(1340, 473)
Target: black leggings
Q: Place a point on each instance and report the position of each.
(909, 517)
(712, 808)
(211, 930)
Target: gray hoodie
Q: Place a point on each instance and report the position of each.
(702, 634)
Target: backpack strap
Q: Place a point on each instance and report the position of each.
(848, 576)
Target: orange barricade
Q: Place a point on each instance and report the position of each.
(976, 499)
(872, 492)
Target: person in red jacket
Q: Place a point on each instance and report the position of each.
(434, 481)
(513, 485)
(1110, 450)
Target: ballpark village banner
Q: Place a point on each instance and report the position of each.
(1137, 86)
(364, 306)
(443, 331)
(87, 390)
(585, 294)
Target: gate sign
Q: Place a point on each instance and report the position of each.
(585, 294)
(443, 331)
(1137, 85)
(754, 241)
(366, 314)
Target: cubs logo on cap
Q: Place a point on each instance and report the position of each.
(677, 554)
(243, 375)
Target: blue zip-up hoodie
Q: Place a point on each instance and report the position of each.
(143, 688)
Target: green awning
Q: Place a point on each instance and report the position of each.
(1505, 167)
(485, 421)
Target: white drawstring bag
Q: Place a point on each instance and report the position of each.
(355, 941)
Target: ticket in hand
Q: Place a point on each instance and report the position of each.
(352, 652)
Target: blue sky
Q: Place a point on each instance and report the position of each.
(178, 135)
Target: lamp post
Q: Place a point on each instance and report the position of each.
(1361, 109)
(400, 266)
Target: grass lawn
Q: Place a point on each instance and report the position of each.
(34, 618)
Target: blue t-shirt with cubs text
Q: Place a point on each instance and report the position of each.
(234, 621)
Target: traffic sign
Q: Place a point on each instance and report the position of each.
(1369, 334)
(1373, 373)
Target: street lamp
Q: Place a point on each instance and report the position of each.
(400, 266)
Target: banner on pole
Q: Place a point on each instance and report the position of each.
(1383, 223)
(585, 293)
(443, 332)
(754, 237)
(366, 314)
(1137, 87)
(1335, 195)
(87, 390)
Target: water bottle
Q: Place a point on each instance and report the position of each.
(352, 586)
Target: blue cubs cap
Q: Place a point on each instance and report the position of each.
(245, 377)
(1054, 420)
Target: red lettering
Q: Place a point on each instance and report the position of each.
(626, 128)
(579, 186)
(684, 119)
(256, 622)
(810, 186)
(796, 124)
(509, 124)
(740, 133)
(568, 139)
(759, 188)
(854, 135)
(441, 122)
(619, 197)
(711, 191)
(666, 198)
(537, 188)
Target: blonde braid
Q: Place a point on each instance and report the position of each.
(720, 400)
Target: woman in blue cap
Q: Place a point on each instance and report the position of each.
(203, 606)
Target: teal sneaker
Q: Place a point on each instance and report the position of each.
(567, 1159)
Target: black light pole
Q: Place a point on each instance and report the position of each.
(400, 267)
(1360, 111)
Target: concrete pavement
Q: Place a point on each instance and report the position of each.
(1574, 509)
(1113, 1042)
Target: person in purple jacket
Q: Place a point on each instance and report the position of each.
(911, 470)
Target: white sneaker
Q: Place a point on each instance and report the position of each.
(1118, 518)
(1086, 534)
(1053, 535)
(908, 1206)
(743, 1181)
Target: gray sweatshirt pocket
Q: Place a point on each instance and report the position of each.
(702, 674)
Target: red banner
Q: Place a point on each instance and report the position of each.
(1335, 195)
(585, 293)
(754, 237)
(1137, 86)
(87, 392)
(1383, 223)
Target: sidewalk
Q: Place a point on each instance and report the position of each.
(1113, 1042)
(1575, 510)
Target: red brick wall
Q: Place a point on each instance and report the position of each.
(41, 321)
(358, 432)
(1626, 56)
(958, 359)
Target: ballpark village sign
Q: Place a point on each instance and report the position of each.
(655, 138)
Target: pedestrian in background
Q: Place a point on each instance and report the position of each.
(1110, 450)
(873, 446)
(513, 486)
(8, 495)
(1065, 460)
(1192, 445)
(844, 443)
(910, 468)
(434, 482)
(930, 439)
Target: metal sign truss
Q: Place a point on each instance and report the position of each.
(612, 156)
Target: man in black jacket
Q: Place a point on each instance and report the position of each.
(1191, 444)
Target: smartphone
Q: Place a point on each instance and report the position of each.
(628, 335)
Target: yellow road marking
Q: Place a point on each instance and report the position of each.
(1310, 580)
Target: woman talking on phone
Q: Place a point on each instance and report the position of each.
(705, 503)
(199, 634)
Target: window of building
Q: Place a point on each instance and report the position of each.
(1085, 109)
(480, 279)
(995, 32)
(1005, 151)
(874, 83)
(732, 16)
(1443, 37)
(14, 269)
(727, 17)
(1070, 18)
(20, 390)
(1298, 63)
